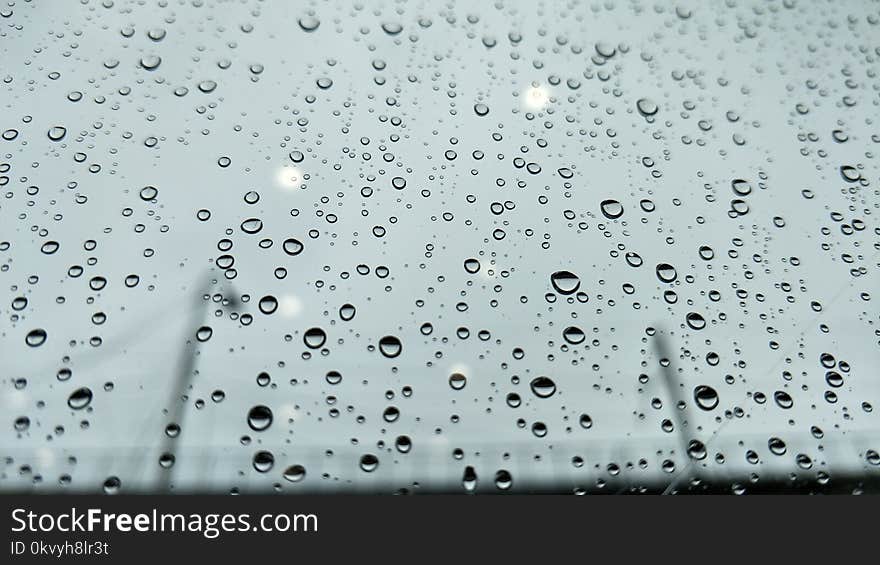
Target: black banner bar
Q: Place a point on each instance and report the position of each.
(253, 529)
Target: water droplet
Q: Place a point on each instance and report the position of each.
(457, 381)
(469, 479)
(80, 398)
(573, 335)
(392, 28)
(503, 480)
(850, 173)
(292, 246)
(263, 461)
(295, 473)
(646, 107)
(706, 253)
(36, 338)
(696, 450)
(611, 209)
(151, 62)
(252, 226)
(695, 321)
(21, 424)
(166, 460)
(741, 187)
(314, 338)
(776, 446)
(149, 193)
(347, 312)
(391, 414)
(543, 387)
(369, 463)
(112, 485)
(156, 33)
(783, 399)
(706, 397)
(57, 133)
(666, 272)
(565, 282)
(403, 444)
(390, 346)
(309, 23)
(268, 304)
(259, 418)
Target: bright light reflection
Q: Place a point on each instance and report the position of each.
(536, 97)
(288, 177)
(290, 306)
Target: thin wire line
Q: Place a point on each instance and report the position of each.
(690, 462)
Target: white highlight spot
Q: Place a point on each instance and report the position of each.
(288, 177)
(290, 306)
(536, 97)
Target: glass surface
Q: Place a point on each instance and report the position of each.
(420, 246)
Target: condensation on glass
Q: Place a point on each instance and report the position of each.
(418, 246)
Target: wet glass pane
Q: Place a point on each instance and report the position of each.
(418, 246)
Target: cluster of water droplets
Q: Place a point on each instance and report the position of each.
(439, 247)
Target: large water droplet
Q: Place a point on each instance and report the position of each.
(346, 312)
(565, 282)
(392, 28)
(112, 485)
(666, 272)
(369, 462)
(252, 225)
(309, 23)
(543, 387)
(741, 187)
(469, 479)
(611, 209)
(573, 335)
(80, 398)
(695, 321)
(263, 461)
(295, 473)
(57, 133)
(292, 246)
(36, 338)
(783, 399)
(646, 107)
(149, 193)
(259, 418)
(314, 338)
(503, 480)
(457, 381)
(390, 346)
(268, 304)
(706, 397)
(776, 446)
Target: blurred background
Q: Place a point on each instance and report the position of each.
(515, 246)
